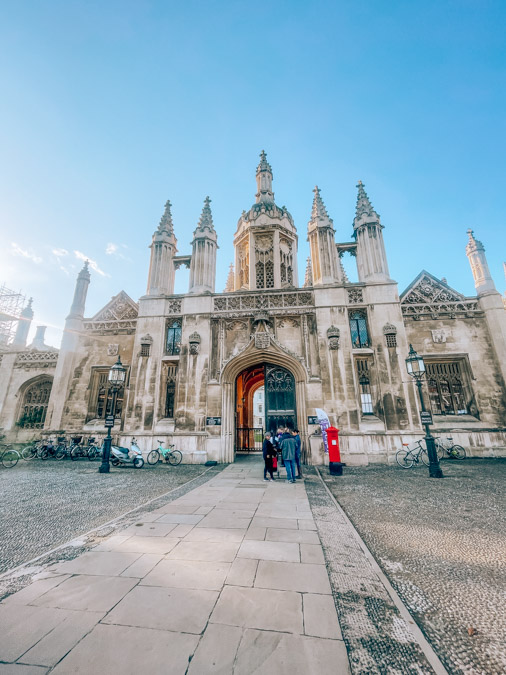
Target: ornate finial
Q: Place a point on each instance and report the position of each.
(473, 244)
(264, 164)
(206, 218)
(364, 208)
(308, 279)
(27, 312)
(30, 303)
(319, 211)
(166, 224)
(229, 286)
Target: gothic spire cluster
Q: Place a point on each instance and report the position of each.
(473, 244)
(166, 224)
(364, 211)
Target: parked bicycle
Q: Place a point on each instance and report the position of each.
(168, 455)
(32, 451)
(94, 451)
(49, 449)
(8, 455)
(445, 447)
(407, 456)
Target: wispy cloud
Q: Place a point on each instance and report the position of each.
(17, 250)
(113, 249)
(93, 264)
(60, 253)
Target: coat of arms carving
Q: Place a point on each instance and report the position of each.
(112, 350)
(262, 340)
(438, 336)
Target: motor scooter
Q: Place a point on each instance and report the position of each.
(121, 455)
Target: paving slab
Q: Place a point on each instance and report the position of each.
(320, 616)
(287, 576)
(215, 534)
(152, 529)
(103, 563)
(180, 518)
(19, 669)
(216, 651)
(264, 653)
(242, 572)
(142, 565)
(188, 574)
(210, 551)
(257, 533)
(259, 608)
(297, 536)
(88, 593)
(53, 647)
(23, 626)
(34, 590)
(157, 545)
(174, 609)
(110, 650)
(312, 553)
(266, 521)
(269, 550)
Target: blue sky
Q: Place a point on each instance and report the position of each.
(110, 108)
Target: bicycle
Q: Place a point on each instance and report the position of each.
(32, 451)
(447, 448)
(169, 455)
(407, 457)
(76, 448)
(51, 450)
(9, 456)
(93, 450)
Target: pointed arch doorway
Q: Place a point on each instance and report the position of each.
(278, 406)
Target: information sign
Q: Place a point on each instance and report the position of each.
(109, 421)
(426, 417)
(213, 421)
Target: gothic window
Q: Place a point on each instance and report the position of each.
(34, 408)
(173, 344)
(145, 349)
(446, 386)
(100, 401)
(358, 328)
(391, 339)
(365, 387)
(285, 262)
(264, 265)
(243, 264)
(170, 392)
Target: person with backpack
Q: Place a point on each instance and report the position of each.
(288, 448)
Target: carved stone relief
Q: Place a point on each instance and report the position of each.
(438, 336)
(333, 335)
(355, 296)
(112, 349)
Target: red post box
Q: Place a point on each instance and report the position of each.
(335, 464)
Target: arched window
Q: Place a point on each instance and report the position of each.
(100, 401)
(173, 344)
(447, 391)
(34, 408)
(170, 396)
(358, 328)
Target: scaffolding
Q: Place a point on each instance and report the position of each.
(11, 306)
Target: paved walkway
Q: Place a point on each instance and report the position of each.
(229, 578)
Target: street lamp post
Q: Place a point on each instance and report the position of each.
(116, 379)
(416, 368)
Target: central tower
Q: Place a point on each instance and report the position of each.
(265, 241)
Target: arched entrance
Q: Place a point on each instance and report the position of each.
(253, 357)
(278, 409)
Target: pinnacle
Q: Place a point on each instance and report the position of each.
(364, 206)
(166, 224)
(308, 279)
(319, 210)
(264, 164)
(229, 286)
(206, 218)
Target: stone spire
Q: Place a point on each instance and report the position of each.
(23, 326)
(364, 212)
(229, 286)
(319, 211)
(204, 246)
(321, 237)
(264, 181)
(38, 340)
(308, 279)
(166, 224)
(206, 218)
(163, 249)
(80, 293)
(475, 252)
(367, 229)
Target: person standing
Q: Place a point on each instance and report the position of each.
(298, 442)
(288, 446)
(268, 453)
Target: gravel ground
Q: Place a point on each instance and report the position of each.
(45, 504)
(442, 544)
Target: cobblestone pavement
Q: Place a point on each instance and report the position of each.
(45, 504)
(442, 544)
(378, 637)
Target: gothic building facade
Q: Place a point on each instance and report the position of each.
(195, 361)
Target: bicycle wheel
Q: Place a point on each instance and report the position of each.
(404, 458)
(75, 453)
(44, 453)
(424, 457)
(153, 457)
(458, 452)
(175, 457)
(440, 450)
(29, 452)
(92, 453)
(10, 458)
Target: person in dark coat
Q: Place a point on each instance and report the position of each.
(288, 446)
(296, 435)
(268, 451)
